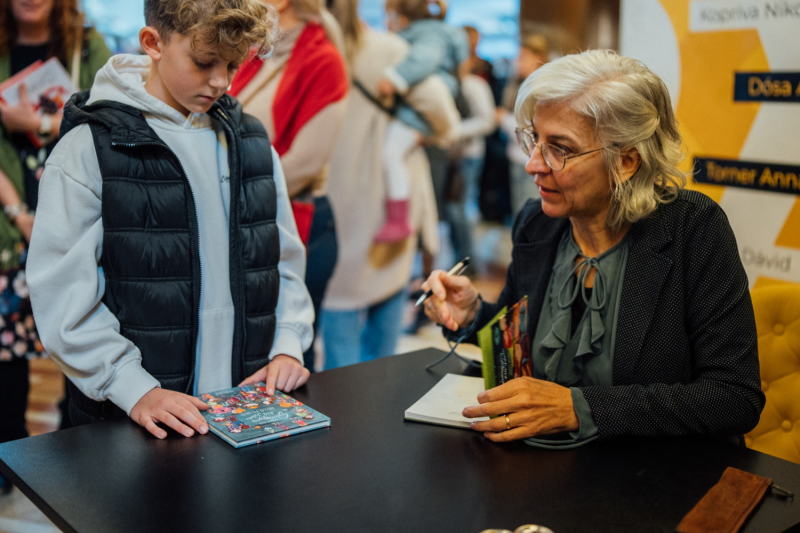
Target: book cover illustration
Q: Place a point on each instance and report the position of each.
(511, 345)
(519, 342)
(502, 367)
(247, 415)
(485, 341)
(48, 85)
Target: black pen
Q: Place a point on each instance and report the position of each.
(460, 267)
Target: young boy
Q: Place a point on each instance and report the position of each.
(165, 261)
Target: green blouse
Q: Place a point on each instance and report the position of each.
(585, 357)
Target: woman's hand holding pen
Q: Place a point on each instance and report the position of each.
(454, 302)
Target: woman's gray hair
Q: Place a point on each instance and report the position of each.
(630, 108)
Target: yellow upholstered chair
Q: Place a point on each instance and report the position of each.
(777, 309)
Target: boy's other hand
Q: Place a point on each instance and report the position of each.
(284, 373)
(171, 408)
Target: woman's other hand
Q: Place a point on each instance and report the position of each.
(21, 117)
(534, 407)
(454, 301)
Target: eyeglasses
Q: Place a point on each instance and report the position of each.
(554, 157)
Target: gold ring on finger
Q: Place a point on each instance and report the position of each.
(508, 422)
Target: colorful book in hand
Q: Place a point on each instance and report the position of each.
(487, 349)
(48, 85)
(248, 415)
(506, 345)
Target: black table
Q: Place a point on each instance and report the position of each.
(373, 472)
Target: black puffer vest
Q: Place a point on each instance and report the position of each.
(151, 255)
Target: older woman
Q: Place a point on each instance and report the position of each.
(638, 303)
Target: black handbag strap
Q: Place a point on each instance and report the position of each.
(391, 111)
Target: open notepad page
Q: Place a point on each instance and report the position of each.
(443, 404)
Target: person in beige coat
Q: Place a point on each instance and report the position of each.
(362, 310)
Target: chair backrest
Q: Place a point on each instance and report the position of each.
(777, 310)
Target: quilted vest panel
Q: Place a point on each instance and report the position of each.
(150, 254)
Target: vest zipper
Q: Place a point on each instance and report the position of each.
(196, 234)
(235, 214)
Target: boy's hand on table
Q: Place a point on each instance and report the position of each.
(284, 373)
(170, 408)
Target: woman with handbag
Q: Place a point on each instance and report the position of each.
(29, 32)
(362, 316)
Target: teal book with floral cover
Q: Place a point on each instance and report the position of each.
(248, 415)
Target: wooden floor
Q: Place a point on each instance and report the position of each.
(47, 389)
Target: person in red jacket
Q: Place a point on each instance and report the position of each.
(299, 93)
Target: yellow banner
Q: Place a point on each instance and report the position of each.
(733, 70)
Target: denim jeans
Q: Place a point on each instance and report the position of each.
(321, 259)
(360, 335)
(461, 215)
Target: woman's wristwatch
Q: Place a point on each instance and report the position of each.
(14, 211)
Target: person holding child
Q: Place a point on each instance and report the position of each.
(29, 32)
(165, 261)
(363, 308)
(435, 48)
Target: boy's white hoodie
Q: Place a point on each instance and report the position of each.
(66, 280)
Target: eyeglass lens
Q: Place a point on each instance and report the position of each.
(552, 156)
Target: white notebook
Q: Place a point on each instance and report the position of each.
(443, 404)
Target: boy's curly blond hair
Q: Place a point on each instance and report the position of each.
(233, 27)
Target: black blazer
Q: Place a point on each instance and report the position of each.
(686, 353)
